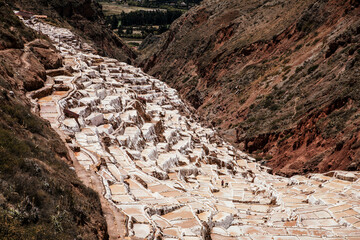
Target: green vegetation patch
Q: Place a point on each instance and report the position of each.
(40, 197)
(139, 24)
(20, 115)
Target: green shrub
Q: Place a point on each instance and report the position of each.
(299, 69)
(298, 47)
(185, 79)
(312, 68)
(274, 107)
(286, 61)
(286, 69)
(22, 116)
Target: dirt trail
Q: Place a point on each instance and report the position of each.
(24, 57)
(114, 218)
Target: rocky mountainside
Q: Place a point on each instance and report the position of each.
(86, 18)
(280, 79)
(40, 196)
(67, 113)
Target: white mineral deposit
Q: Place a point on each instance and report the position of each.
(171, 176)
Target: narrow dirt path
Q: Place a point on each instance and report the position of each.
(24, 57)
(115, 219)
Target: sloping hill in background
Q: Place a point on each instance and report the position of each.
(86, 18)
(40, 196)
(280, 79)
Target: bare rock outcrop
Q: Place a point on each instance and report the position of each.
(46, 53)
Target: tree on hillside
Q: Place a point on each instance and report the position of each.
(114, 22)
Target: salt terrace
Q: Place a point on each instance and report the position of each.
(172, 177)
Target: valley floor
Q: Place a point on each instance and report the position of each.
(162, 174)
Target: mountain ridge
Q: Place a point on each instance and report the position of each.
(247, 69)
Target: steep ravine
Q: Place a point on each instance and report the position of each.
(140, 147)
(277, 78)
(148, 168)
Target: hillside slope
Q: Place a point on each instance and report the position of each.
(278, 78)
(40, 196)
(86, 18)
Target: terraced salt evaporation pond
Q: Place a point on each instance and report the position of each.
(174, 178)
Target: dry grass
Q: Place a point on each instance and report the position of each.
(115, 9)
